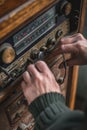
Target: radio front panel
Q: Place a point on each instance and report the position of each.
(36, 39)
(15, 69)
(16, 50)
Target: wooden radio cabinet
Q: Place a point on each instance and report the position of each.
(28, 26)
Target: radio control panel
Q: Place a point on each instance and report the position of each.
(38, 52)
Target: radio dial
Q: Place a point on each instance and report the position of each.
(66, 8)
(7, 53)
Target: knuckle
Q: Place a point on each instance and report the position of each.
(61, 41)
(69, 40)
(78, 45)
(61, 46)
(80, 36)
(48, 75)
(39, 78)
(39, 63)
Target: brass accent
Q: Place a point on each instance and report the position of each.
(66, 8)
(2, 2)
(8, 55)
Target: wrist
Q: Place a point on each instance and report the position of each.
(44, 101)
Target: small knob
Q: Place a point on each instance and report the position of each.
(7, 53)
(41, 55)
(60, 80)
(34, 54)
(50, 44)
(13, 75)
(59, 33)
(66, 8)
(43, 48)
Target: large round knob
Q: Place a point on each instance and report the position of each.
(7, 53)
(66, 8)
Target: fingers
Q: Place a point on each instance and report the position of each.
(69, 48)
(71, 39)
(42, 67)
(29, 75)
(69, 44)
(68, 40)
(23, 85)
(26, 77)
(33, 71)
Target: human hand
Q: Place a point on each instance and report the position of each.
(38, 80)
(76, 45)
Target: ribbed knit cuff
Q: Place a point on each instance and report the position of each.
(44, 101)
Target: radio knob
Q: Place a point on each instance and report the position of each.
(41, 55)
(43, 48)
(59, 33)
(50, 44)
(34, 54)
(66, 8)
(13, 75)
(60, 80)
(7, 53)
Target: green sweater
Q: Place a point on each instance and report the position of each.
(51, 113)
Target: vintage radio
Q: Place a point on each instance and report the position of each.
(31, 32)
